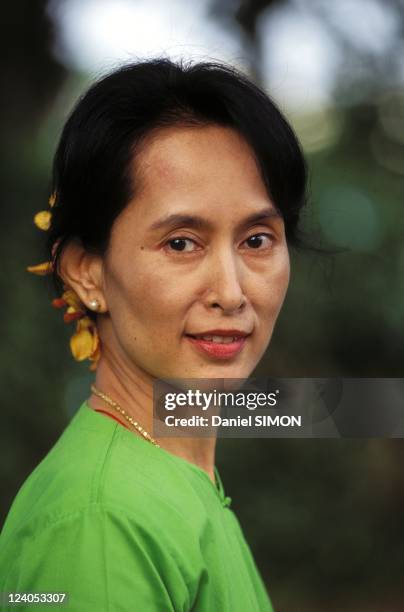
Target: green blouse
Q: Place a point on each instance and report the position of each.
(122, 525)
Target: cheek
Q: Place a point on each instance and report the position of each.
(282, 279)
(274, 285)
(146, 311)
(151, 300)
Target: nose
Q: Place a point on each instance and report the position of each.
(225, 284)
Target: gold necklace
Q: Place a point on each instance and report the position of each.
(115, 405)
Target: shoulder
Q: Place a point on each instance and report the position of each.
(104, 499)
(103, 557)
(99, 466)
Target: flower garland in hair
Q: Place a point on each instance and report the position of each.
(85, 342)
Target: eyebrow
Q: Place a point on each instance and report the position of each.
(197, 222)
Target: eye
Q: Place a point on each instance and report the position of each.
(257, 240)
(179, 244)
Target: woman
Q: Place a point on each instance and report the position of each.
(177, 190)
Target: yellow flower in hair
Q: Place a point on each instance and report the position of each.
(52, 199)
(41, 269)
(75, 307)
(85, 342)
(43, 219)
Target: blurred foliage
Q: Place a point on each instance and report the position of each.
(324, 517)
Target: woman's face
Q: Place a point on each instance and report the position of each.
(199, 248)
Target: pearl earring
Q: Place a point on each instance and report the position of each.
(94, 304)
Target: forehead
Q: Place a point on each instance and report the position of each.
(211, 161)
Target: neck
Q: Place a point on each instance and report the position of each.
(132, 389)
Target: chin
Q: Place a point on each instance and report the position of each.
(222, 371)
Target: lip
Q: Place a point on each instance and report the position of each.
(219, 351)
(222, 332)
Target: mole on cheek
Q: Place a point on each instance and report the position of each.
(142, 247)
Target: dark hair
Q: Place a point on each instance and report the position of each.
(91, 176)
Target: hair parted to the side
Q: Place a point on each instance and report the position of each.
(92, 180)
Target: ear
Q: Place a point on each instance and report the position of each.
(83, 272)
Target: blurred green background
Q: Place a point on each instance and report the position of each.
(323, 517)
